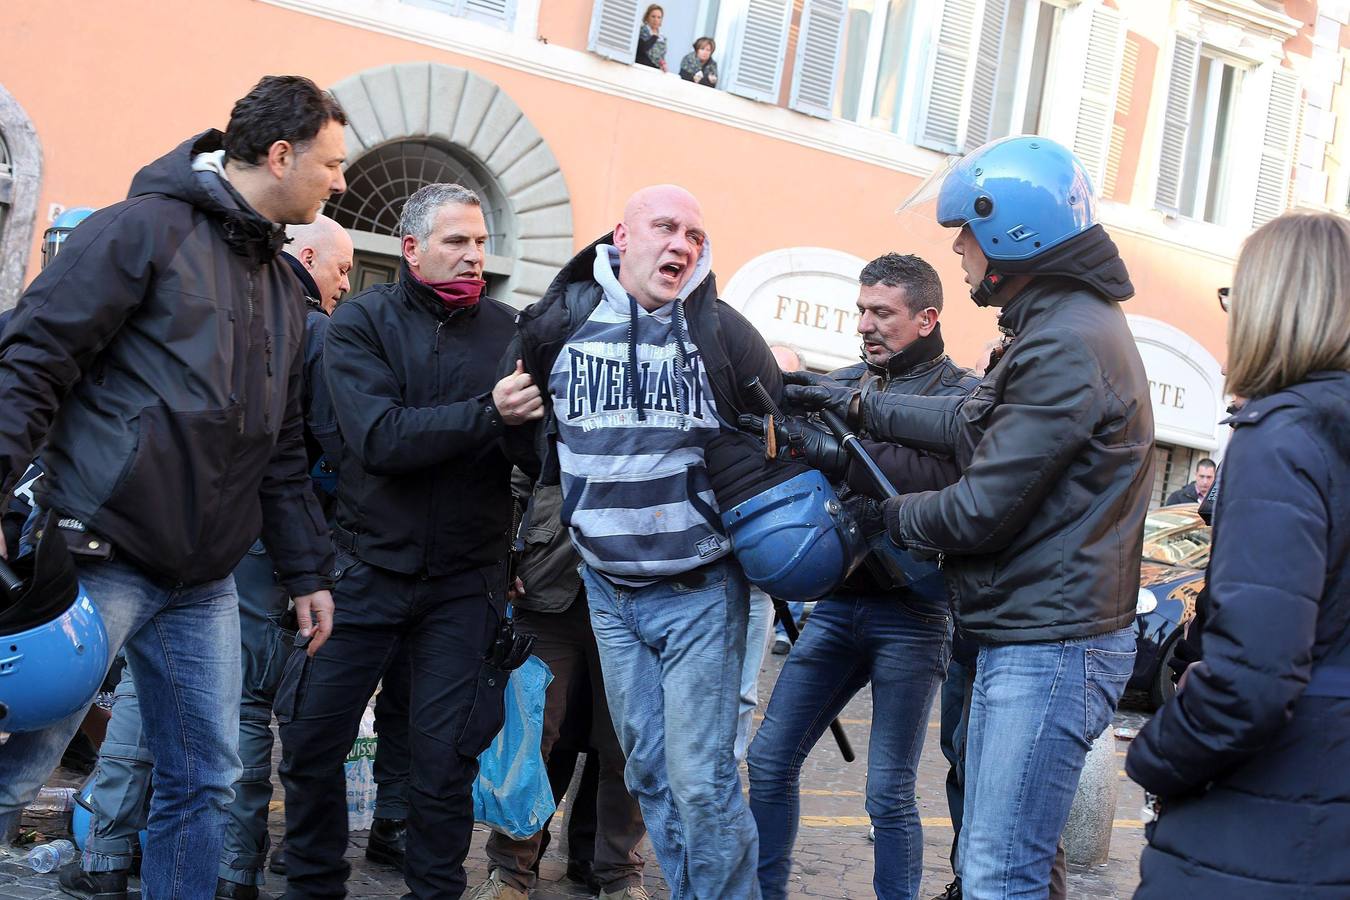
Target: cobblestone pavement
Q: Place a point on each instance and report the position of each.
(833, 856)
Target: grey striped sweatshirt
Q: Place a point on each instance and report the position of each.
(635, 489)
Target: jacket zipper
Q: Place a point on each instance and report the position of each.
(435, 492)
(248, 345)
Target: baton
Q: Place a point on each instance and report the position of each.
(11, 581)
(767, 407)
(859, 453)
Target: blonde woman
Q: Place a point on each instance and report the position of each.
(1251, 760)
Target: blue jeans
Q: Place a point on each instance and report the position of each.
(853, 639)
(672, 653)
(1034, 712)
(264, 646)
(756, 642)
(121, 786)
(183, 647)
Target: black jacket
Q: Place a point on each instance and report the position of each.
(160, 357)
(423, 485)
(922, 368)
(1252, 757)
(1185, 494)
(732, 351)
(321, 429)
(1042, 535)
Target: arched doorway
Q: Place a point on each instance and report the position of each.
(420, 123)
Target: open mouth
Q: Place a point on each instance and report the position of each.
(672, 270)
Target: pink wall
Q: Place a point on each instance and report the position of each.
(144, 81)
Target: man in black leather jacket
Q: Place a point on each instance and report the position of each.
(1041, 537)
(872, 629)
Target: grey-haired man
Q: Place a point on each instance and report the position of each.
(423, 507)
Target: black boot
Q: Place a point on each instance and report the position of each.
(952, 891)
(388, 842)
(229, 890)
(76, 882)
(582, 871)
(278, 864)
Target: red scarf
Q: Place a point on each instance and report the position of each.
(456, 293)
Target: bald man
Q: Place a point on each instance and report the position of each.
(642, 362)
(324, 252)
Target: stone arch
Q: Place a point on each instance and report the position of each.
(471, 114)
(20, 184)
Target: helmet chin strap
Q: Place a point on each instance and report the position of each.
(984, 292)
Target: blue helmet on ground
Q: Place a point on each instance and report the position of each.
(53, 645)
(794, 540)
(1021, 196)
(60, 229)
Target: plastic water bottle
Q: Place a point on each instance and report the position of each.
(46, 858)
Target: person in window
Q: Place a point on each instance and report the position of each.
(1249, 759)
(651, 47)
(1197, 489)
(699, 66)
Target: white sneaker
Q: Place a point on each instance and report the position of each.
(632, 892)
(495, 889)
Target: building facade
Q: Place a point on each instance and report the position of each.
(1198, 119)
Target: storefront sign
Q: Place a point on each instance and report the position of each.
(804, 298)
(1185, 383)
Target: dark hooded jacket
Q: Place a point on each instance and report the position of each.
(159, 356)
(1042, 536)
(1252, 757)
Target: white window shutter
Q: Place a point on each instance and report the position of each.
(984, 76)
(816, 68)
(495, 12)
(1272, 177)
(1181, 75)
(1097, 102)
(614, 29)
(949, 76)
(761, 44)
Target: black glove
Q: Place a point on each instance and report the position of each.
(890, 514)
(804, 440)
(867, 512)
(809, 392)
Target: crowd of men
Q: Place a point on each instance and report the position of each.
(330, 488)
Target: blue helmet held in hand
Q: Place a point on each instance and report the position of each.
(1021, 196)
(60, 229)
(794, 541)
(53, 644)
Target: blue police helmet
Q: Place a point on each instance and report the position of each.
(53, 645)
(60, 229)
(1020, 196)
(794, 541)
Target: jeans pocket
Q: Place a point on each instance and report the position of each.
(1106, 673)
(487, 715)
(291, 689)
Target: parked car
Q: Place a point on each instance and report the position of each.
(1176, 551)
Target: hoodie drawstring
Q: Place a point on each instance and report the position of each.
(681, 388)
(635, 391)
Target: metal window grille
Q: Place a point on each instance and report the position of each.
(381, 181)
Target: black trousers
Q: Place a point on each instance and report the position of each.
(445, 626)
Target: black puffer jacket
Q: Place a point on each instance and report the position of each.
(160, 356)
(1043, 533)
(1252, 757)
(423, 485)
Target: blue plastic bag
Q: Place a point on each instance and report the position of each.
(512, 794)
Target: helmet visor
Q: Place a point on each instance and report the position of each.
(926, 194)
